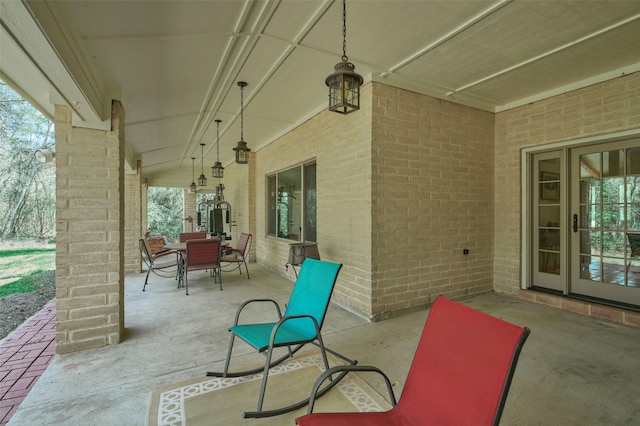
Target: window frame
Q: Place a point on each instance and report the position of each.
(308, 231)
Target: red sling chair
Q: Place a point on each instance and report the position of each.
(460, 374)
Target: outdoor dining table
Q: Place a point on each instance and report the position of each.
(181, 250)
(176, 246)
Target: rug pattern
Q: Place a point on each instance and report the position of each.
(171, 410)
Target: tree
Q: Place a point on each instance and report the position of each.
(164, 211)
(27, 188)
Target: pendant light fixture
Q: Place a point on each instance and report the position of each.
(241, 149)
(193, 187)
(202, 180)
(344, 84)
(217, 171)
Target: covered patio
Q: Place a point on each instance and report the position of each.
(573, 370)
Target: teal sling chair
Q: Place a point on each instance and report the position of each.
(300, 324)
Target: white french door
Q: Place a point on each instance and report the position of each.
(549, 221)
(584, 232)
(605, 217)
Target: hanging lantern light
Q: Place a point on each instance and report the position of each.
(193, 187)
(344, 84)
(217, 171)
(241, 149)
(202, 180)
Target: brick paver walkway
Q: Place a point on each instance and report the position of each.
(24, 356)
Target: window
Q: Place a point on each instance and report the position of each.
(291, 213)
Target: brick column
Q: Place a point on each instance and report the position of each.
(90, 233)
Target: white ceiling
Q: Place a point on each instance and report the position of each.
(175, 64)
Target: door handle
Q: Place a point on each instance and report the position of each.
(575, 223)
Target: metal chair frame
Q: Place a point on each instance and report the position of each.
(293, 330)
(158, 262)
(237, 255)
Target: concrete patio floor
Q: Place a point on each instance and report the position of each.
(573, 370)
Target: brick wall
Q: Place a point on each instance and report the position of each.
(603, 108)
(340, 145)
(90, 233)
(432, 198)
(404, 185)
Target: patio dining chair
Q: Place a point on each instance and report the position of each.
(460, 374)
(300, 324)
(199, 255)
(235, 257)
(163, 263)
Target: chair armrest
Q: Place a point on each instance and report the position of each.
(164, 252)
(244, 305)
(279, 324)
(345, 369)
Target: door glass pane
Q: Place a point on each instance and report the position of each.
(612, 216)
(609, 209)
(614, 244)
(549, 169)
(613, 163)
(589, 191)
(589, 242)
(590, 166)
(613, 270)
(549, 216)
(589, 216)
(590, 268)
(633, 161)
(613, 190)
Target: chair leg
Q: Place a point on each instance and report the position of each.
(245, 267)
(146, 279)
(324, 353)
(186, 282)
(226, 363)
(265, 376)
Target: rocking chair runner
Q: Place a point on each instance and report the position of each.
(460, 375)
(300, 324)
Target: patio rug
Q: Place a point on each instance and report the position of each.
(221, 401)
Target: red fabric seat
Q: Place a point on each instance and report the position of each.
(460, 374)
(185, 236)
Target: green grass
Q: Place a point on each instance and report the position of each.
(31, 282)
(24, 252)
(21, 269)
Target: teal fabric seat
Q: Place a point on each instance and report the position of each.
(300, 324)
